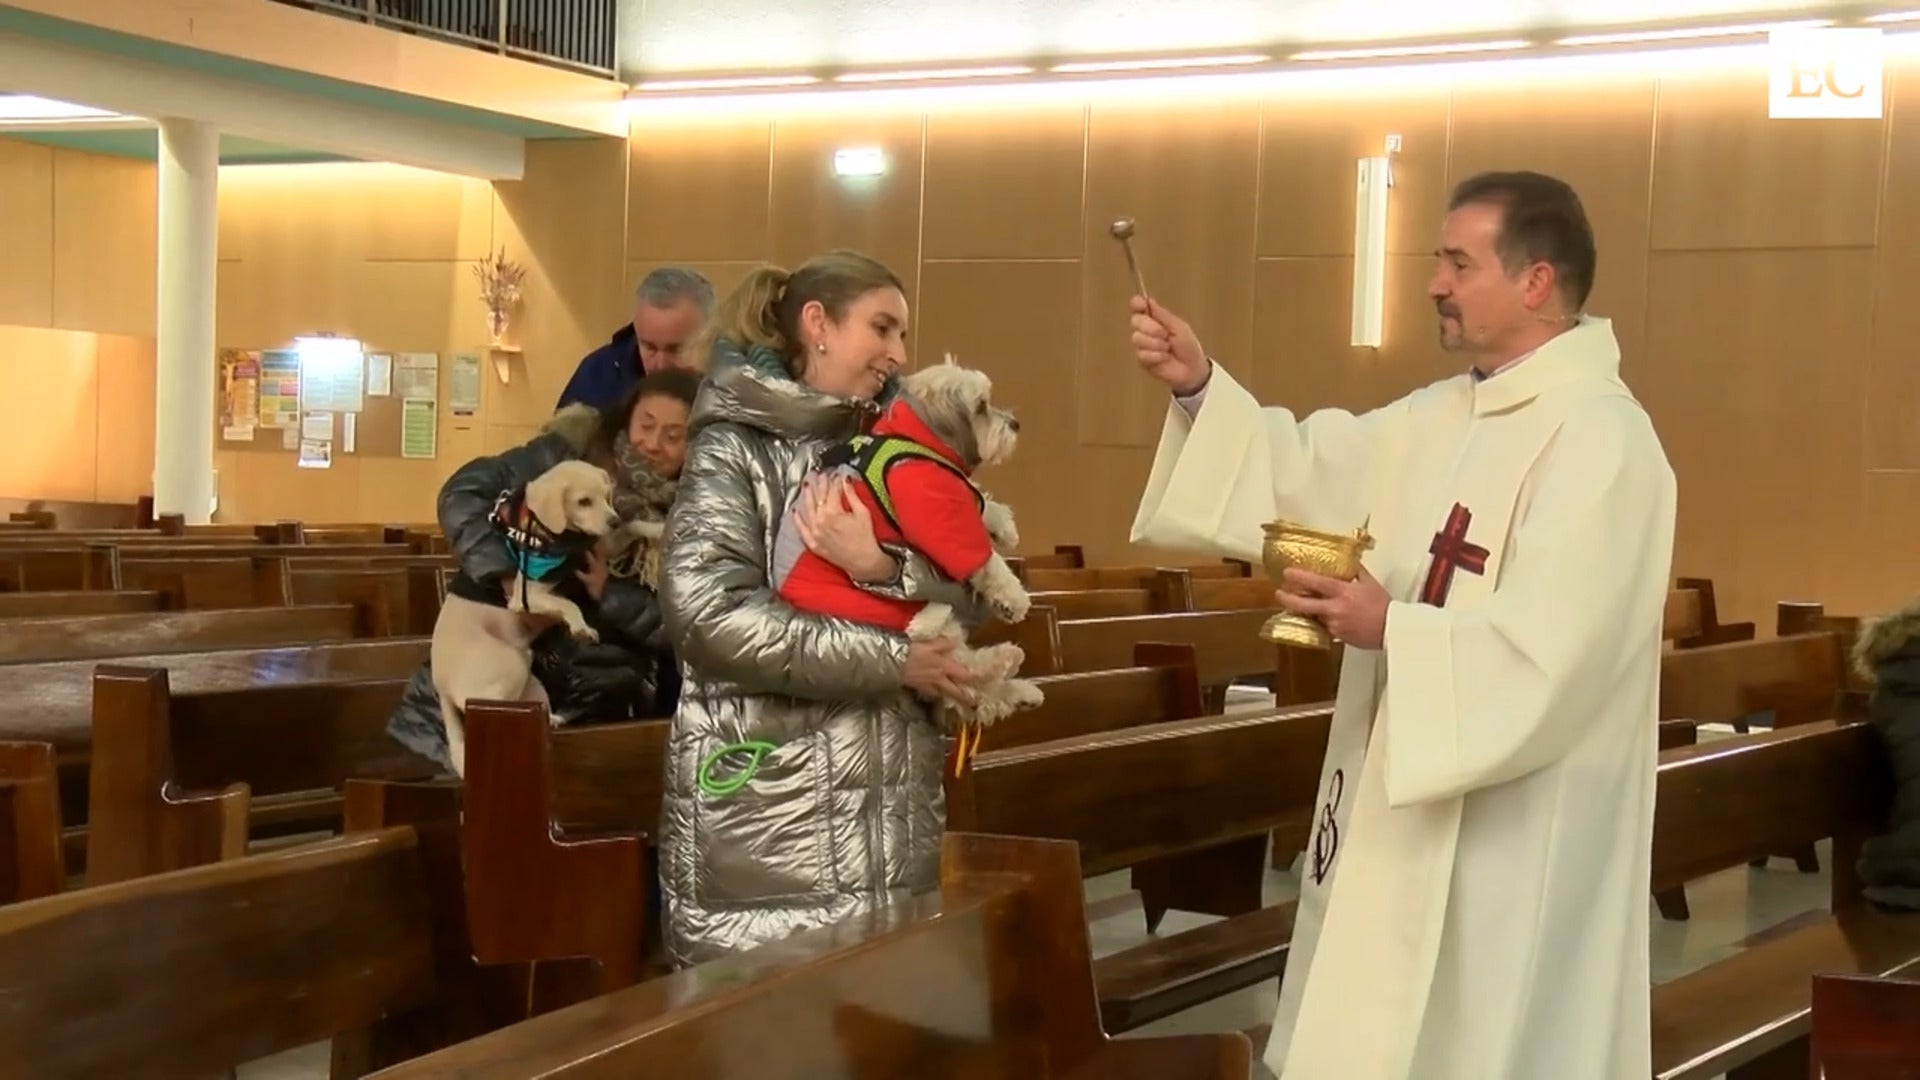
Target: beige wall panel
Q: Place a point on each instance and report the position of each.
(1758, 398)
(1893, 431)
(814, 211)
(1726, 176)
(699, 190)
(104, 234)
(1028, 348)
(503, 437)
(557, 223)
(1187, 174)
(259, 486)
(123, 458)
(297, 213)
(402, 491)
(1311, 145)
(418, 307)
(425, 216)
(1888, 576)
(26, 234)
(1597, 135)
(1005, 184)
(49, 393)
(1301, 327)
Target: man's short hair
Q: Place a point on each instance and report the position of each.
(1541, 221)
(669, 285)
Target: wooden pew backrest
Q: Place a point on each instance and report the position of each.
(1798, 679)
(202, 969)
(100, 637)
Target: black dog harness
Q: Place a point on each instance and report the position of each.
(539, 553)
(871, 456)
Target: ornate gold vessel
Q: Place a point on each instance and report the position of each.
(1336, 555)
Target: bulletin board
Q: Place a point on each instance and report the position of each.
(328, 397)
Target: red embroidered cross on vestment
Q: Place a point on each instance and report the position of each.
(1451, 551)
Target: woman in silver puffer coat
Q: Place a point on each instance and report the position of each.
(845, 812)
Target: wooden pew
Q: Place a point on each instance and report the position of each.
(1867, 1027)
(989, 977)
(52, 702)
(197, 971)
(1798, 679)
(1137, 797)
(535, 894)
(177, 779)
(30, 863)
(1161, 683)
(99, 637)
(1122, 577)
(1718, 806)
(31, 605)
(1712, 630)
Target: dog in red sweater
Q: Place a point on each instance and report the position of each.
(914, 473)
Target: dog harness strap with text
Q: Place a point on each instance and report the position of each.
(872, 456)
(536, 550)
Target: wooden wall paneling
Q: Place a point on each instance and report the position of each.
(812, 210)
(563, 223)
(123, 440)
(104, 238)
(1005, 184)
(1893, 381)
(291, 244)
(1028, 347)
(1596, 133)
(424, 216)
(1758, 399)
(1726, 176)
(49, 389)
(1301, 356)
(1187, 173)
(698, 190)
(1888, 567)
(1311, 143)
(26, 234)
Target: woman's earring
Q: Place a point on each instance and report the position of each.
(819, 346)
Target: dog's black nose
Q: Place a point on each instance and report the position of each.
(1014, 425)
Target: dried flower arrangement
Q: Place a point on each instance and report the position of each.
(500, 282)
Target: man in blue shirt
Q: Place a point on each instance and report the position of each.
(670, 306)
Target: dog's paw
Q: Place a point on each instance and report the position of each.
(1011, 607)
(998, 518)
(1024, 694)
(584, 633)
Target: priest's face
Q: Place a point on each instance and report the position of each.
(1480, 305)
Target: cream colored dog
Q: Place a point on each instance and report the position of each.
(484, 649)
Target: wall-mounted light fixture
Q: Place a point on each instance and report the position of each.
(1370, 246)
(859, 161)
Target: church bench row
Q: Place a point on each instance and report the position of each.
(990, 976)
(1866, 1027)
(99, 637)
(53, 702)
(113, 566)
(1124, 577)
(1720, 804)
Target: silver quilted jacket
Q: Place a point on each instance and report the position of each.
(845, 814)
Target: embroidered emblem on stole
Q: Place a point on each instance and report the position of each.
(1451, 552)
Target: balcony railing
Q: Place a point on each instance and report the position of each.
(577, 34)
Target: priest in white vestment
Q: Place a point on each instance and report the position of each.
(1474, 901)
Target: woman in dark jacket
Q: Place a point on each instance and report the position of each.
(630, 672)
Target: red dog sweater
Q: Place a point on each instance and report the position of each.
(916, 489)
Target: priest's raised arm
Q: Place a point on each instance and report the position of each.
(1225, 465)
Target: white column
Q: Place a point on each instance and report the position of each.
(189, 201)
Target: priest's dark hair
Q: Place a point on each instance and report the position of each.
(1541, 221)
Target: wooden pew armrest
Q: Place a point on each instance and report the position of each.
(1164, 975)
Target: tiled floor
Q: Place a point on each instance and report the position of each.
(1727, 908)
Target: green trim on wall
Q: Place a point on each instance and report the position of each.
(81, 35)
(143, 144)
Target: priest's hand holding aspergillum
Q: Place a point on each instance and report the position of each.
(1168, 349)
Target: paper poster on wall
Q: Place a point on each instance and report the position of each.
(318, 425)
(417, 375)
(463, 384)
(347, 430)
(419, 427)
(279, 388)
(379, 375)
(239, 394)
(332, 371)
(316, 454)
(290, 438)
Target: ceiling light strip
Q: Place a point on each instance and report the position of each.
(996, 71)
(1385, 52)
(1686, 33)
(1161, 63)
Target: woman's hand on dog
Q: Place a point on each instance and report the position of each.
(835, 525)
(594, 577)
(932, 671)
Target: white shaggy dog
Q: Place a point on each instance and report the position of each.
(958, 406)
(483, 640)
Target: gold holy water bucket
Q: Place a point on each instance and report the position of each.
(1336, 555)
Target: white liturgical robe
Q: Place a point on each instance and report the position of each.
(1474, 897)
